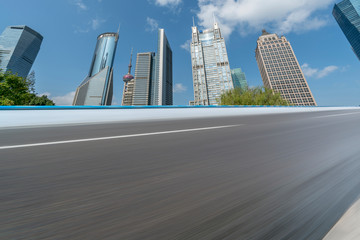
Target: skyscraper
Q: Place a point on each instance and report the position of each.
(19, 46)
(210, 65)
(153, 83)
(239, 79)
(162, 89)
(347, 15)
(144, 78)
(281, 71)
(97, 87)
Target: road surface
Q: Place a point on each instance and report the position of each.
(280, 176)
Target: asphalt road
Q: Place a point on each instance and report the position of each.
(281, 176)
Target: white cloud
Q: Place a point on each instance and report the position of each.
(65, 100)
(179, 88)
(80, 4)
(45, 93)
(186, 45)
(318, 73)
(151, 24)
(96, 22)
(168, 3)
(249, 16)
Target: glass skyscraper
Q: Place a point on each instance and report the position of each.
(97, 88)
(210, 66)
(162, 89)
(19, 46)
(280, 70)
(239, 79)
(347, 15)
(153, 83)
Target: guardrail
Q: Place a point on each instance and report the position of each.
(137, 107)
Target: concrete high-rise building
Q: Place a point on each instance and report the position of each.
(347, 15)
(97, 88)
(128, 86)
(153, 83)
(239, 78)
(144, 79)
(281, 71)
(210, 65)
(19, 46)
(162, 89)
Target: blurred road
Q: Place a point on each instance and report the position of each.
(280, 176)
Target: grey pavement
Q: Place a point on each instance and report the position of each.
(280, 176)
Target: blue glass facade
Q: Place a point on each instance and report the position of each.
(19, 46)
(97, 88)
(239, 78)
(347, 14)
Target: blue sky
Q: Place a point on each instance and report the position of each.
(70, 29)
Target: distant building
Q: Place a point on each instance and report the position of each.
(128, 86)
(239, 79)
(153, 82)
(19, 46)
(347, 15)
(281, 71)
(97, 88)
(210, 65)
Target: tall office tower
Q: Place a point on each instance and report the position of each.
(281, 71)
(97, 88)
(153, 83)
(19, 46)
(347, 14)
(162, 89)
(239, 79)
(128, 86)
(210, 65)
(144, 79)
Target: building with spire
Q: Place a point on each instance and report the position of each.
(280, 69)
(97, 87)
(128, 85)
(19, 46)
(153, 83)
(210, 65)
(347, 15)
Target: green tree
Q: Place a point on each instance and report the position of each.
(252, 96)
(41, 101)
(15, 90)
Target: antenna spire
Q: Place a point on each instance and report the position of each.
(214, 17)
(193, 22)
(118, 29)
(130, 61)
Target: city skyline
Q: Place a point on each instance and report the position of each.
(331, 71)
(152, 84)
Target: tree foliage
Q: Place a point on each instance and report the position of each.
(252, 96)
(15, 90)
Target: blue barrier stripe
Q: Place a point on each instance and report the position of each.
(146, 107)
